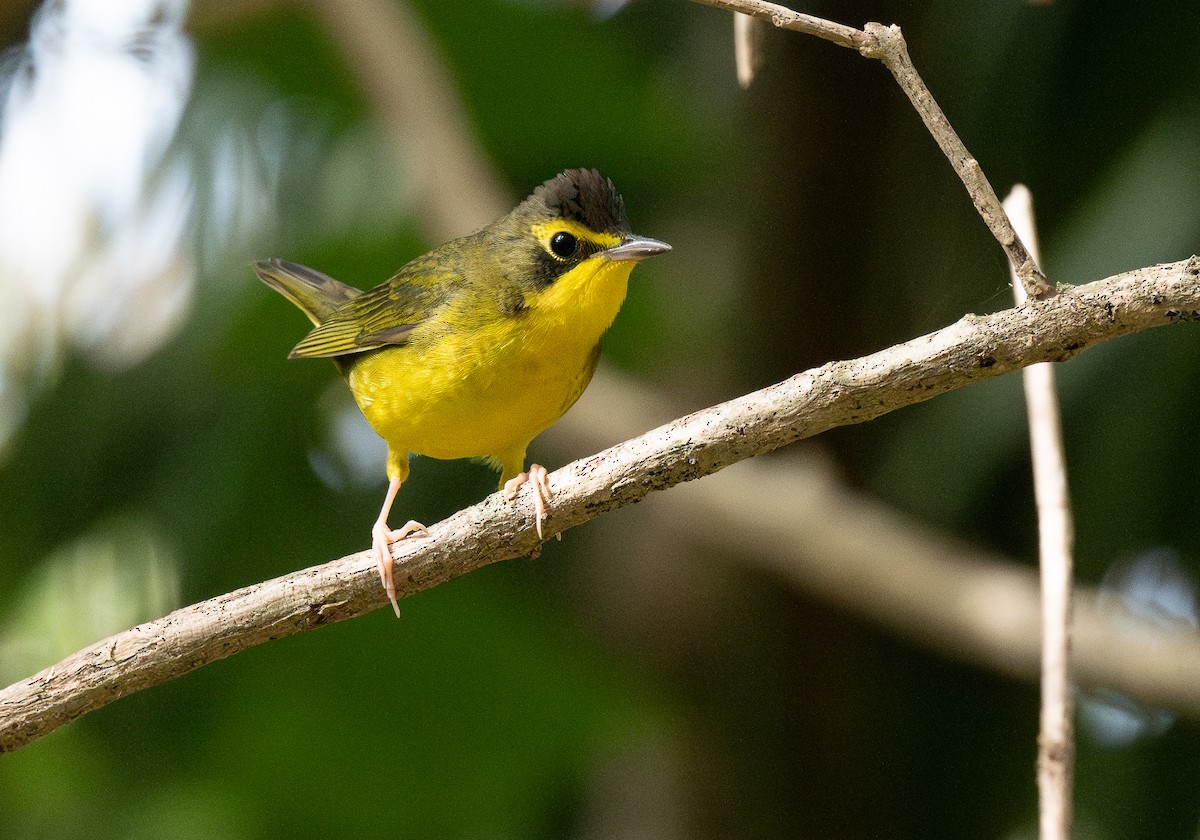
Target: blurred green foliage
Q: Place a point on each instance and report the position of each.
(813, 219)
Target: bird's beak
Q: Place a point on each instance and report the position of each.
(636, 248)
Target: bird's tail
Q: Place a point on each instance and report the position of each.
(317, 295)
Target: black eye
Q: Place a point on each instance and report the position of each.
(564, 245)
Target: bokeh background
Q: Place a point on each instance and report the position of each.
(156, 447)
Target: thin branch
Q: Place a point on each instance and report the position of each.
(886, 43)
(1056, 744)
(835, 394)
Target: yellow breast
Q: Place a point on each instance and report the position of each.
(480, 387)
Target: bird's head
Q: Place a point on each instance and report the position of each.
(573, 228)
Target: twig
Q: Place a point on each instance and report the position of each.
(886, 43)
(836, 394)
(1056, 745)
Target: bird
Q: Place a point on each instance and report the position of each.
(474, 348)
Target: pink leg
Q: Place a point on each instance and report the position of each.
(382, 538)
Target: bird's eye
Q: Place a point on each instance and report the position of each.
(564, 245)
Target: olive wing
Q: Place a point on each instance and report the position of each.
(384, 315)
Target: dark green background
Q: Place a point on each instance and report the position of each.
(813, 219)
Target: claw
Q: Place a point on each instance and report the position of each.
(539, 485)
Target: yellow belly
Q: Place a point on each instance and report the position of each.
(489, 390)
(481, 408)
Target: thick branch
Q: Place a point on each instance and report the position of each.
(836, 394)
(886, 43)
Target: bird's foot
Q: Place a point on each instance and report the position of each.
(382, 538)
(539, 485)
